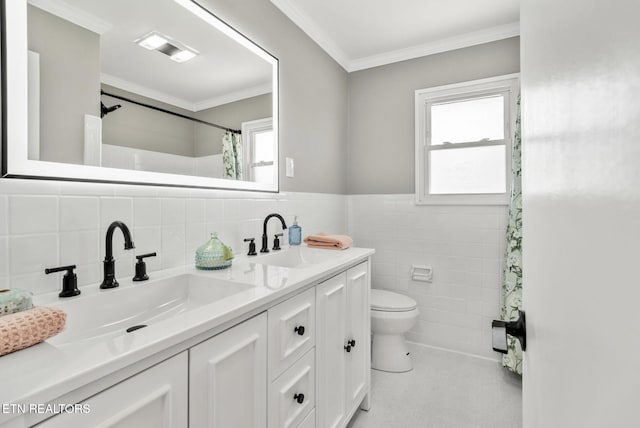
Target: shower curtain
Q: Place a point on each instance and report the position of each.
(232, 156)
(512, 282)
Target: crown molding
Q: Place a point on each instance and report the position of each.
(73, 14)
(443, 45)
(154, 94)
(318, 35)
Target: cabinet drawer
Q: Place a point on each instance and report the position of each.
(291, 331)
(309, 421)
(292, 395)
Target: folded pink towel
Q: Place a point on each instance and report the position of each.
(331, 242)
(26, 328)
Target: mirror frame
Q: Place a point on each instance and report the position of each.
(15, 163)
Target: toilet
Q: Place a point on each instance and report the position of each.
(392, 315)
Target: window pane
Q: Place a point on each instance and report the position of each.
(263, 148)
(468, 170)
(263, 174)
(468, 121)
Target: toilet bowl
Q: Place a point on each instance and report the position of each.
(392, 315)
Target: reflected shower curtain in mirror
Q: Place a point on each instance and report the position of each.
(512, 282)
(232, 156)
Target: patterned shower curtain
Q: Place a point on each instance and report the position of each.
(232, 156)
(512, 284)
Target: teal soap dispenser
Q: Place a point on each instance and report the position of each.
(295, 233)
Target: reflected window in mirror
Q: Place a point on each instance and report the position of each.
(259, 150)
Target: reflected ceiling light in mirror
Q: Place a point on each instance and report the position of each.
(155, 41)
(152, 41)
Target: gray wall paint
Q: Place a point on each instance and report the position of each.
(381, 110)
(144, 128)
(313, 96)
(69, 73)
(208, 140)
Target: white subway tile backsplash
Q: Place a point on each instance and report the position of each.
(195, 211)
(173, 211)
(4, 256)
(112, 209)
(79, 247)
(77, 213)
(33, 214)
(146, 212)
(4, 215)
(33, 253)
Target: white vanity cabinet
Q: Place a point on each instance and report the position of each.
(343, 345)
(156, 397)
(228, 378)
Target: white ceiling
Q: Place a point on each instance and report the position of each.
(224, 71)
(361, 34)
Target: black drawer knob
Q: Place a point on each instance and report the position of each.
(352, 343)
(300, 330)
(347, 348)
(299, 398)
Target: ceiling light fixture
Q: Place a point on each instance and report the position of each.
(155, 41)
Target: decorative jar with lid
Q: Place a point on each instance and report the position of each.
(213, 254)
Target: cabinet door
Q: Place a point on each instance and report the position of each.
(157, 397)
(331, 300)
(228, 378)
(358, 330)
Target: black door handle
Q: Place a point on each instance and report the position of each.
(515, 328)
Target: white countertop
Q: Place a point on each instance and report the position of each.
(45, 371)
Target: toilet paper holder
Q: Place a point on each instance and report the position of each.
(500, 329)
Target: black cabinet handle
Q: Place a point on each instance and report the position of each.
(352, 343)
(347, 348)
(299, 398)
(300, 330)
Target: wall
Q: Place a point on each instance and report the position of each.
(49, 224)
(581, 223)
(313, 95)
(465, 247)
(78, 86)
(381, 110)
(208, 140)
(144, 128)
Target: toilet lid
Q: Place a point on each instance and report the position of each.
(383, 300)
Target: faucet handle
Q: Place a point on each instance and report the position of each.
(141, 267)
(69, 280)
(276, 241)
(252, 246)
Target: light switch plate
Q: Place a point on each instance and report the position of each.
(289, 167)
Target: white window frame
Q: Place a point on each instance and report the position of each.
(506, 85)
(249, 130)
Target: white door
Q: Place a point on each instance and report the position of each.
(157, 397)
(581, 212)
(228, 378)
(331, 302)
(358, 317)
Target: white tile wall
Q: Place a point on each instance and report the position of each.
(463, 244)
(47, 224)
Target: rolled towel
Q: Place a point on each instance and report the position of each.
(330, 242)
(14, 300)
(27, 328)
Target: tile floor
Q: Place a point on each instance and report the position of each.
(444, 390)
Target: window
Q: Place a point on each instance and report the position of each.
(463, 141)
(260, 150)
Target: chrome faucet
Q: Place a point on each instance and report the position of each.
(265, 244)
(109, 280)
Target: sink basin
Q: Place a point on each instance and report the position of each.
(294, 257)
(100, 313)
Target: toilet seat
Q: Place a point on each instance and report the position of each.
(388, 301)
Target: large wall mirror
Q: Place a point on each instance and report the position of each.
(154, 92)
